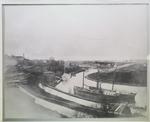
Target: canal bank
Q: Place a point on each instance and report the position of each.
(18, 105)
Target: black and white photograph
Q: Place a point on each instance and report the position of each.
(75, 61)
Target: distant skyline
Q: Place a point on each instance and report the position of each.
(104, 32)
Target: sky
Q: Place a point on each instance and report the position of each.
(76, 32)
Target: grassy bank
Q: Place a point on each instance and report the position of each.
(135, 75)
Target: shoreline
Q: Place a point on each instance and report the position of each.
(26, 107)
(67, 108)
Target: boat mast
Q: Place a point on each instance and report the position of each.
(23, 58)
(114, 78)
(83, 80)
(64, 67)
(97, 86)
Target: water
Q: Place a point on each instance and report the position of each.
(68, 85)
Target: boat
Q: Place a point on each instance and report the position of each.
(83, 105)
(95, 98)
(97, 94)
(104, 96)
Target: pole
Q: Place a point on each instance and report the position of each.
(114, 78)
(113, 86)
(97, 84)
(83, 80)
(100, 86)
(98, 79)
(64, 68)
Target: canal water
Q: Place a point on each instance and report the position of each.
(68, 85)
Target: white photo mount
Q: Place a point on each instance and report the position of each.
(68, 3)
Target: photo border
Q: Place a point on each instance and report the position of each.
(66, 2)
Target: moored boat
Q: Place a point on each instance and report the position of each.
(87, 106)
(104, 96)
(94, 97)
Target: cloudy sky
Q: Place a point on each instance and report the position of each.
(76, 32)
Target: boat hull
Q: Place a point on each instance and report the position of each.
(71, 97)
(105, 96)
(77, 103)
